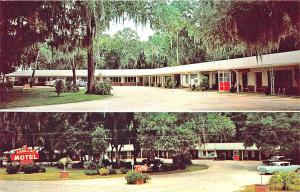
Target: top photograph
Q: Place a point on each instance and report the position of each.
(149, 56)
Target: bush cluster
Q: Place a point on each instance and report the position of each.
(27, 169)
(103, 171)
(71, 88)
(169, 84)
(91, 172)
(32, 168)
(12, 168)
(102, 88)
(124, 170)
(4, 86)
(132, 177)
(59, 87)
(167, 167)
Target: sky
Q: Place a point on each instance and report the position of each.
(143, 31)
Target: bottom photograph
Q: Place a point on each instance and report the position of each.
(159, 152)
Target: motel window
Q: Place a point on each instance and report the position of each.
(194, 78)
(187, 79)
(130, 79)
(115, 79)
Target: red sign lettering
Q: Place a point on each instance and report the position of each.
(25, 155)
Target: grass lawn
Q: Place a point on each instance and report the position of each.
(43, 96)
(273, 188)
(52, 174)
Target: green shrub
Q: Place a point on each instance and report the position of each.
(169, 84)
(133, 176)
(146, 84)
(9, 84)
(204, 83)
(112, 171)
(43, 169)
(59, 87)
(32, 168)
(103, 171)
(124, 170)
(286, 179)
(12, 168)
(90, 165)
(125, 164)
(91, 172)
(102, 88)
(71, 88)
(167, 167)
(158, 85)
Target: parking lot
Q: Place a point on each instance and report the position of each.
(152, 99)
(220, 176)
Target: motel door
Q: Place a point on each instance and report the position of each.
(224, 78)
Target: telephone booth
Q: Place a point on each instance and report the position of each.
(224, 78)
(236, 155)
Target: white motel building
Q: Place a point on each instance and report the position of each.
(279, 72)
(224, 151)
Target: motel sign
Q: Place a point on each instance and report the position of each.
(25, 155)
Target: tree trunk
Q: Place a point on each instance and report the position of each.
(91, 64)
(74, 72)
(33, 71)
(117, 155)
(177, 49)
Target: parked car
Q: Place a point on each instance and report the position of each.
(278, 166)
(275, 159)
(53, 82)
(81, 83)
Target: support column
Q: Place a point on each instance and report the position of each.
(272, 81)
(136, 80)
(242, 155)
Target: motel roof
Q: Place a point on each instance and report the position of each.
(226, 146)
(270, 60)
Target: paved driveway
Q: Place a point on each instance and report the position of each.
(151, 99)
(225, 176)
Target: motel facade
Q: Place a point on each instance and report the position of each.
(278, 72)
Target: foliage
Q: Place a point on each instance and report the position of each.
(102, 88)
(124, 170)
(32, 168)
(12, 168)
(59, 87)
(169, 84)
(103, 171)
(285, 179)
(203, 82)
(132, 177)
(91, 172)
(112, 171)
(164, 131)
(268, 131)
(167, 167)
(4, 86)
(69, 87)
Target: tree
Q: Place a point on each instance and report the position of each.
(164, 132)
(99, 142)
(272, 132)
(119, 126)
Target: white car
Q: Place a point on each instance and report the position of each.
(81, 83)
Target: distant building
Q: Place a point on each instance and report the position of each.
(225, 151)
(277, 73)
